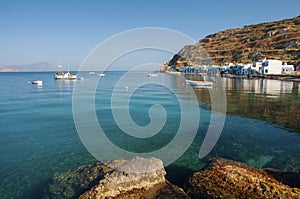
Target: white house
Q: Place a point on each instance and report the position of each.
(271, 67)
(256, 66)
(287, 68)
(246, 69)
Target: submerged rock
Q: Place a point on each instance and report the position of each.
(228, 179)
(73, 183)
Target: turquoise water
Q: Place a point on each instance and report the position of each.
(38, 136)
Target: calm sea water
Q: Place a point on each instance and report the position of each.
(38, 136)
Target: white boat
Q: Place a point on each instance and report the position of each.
(38, 82)
(150, 74)
(64, 75)
(101, 74)
(92, 73)
(199, 84)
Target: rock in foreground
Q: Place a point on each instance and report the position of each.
(135, 178)
(228, 179)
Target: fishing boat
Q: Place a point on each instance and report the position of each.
(199, 84)
(64, 75)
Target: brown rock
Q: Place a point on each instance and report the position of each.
(228, 179)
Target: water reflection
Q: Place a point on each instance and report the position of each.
(270, 100)
(64, 86)
(262, 86)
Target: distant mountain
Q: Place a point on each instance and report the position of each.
(272, 40)
(40, 66)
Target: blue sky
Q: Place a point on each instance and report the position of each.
(44, 30)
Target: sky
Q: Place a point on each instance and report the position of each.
(33, 31)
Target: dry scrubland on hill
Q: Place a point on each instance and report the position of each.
(273, 40)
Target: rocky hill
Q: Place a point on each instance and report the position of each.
(272, 40)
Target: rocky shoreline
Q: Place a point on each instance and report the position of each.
(145, 178)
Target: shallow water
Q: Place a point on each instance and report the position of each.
(38, 136)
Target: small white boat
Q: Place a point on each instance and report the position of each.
(92, 73)
(152, 75)
(101, 74)
(38, 82)
(200, 84)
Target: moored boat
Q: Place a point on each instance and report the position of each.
(199, 84)
(38, 82)
(64, 75)
(101, 74)
(152, 75)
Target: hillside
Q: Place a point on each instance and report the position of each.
(40, 66)
(273, 40)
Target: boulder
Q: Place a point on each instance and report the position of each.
(223, 178)
(135, 178)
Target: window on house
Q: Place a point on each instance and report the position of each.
(266, 70)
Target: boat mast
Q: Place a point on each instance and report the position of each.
(59, 66)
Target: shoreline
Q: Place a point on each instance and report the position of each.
(220, 177)
(290, 78)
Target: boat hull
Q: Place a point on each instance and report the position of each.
(200, 84)
(38, 82)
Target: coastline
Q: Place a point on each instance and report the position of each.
(293, 78)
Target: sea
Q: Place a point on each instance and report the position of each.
(62, 124)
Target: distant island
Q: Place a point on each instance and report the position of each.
(273, 40)
(9, 70)
(35, 67)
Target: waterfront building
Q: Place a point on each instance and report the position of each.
(271, 67)
(287, 68)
